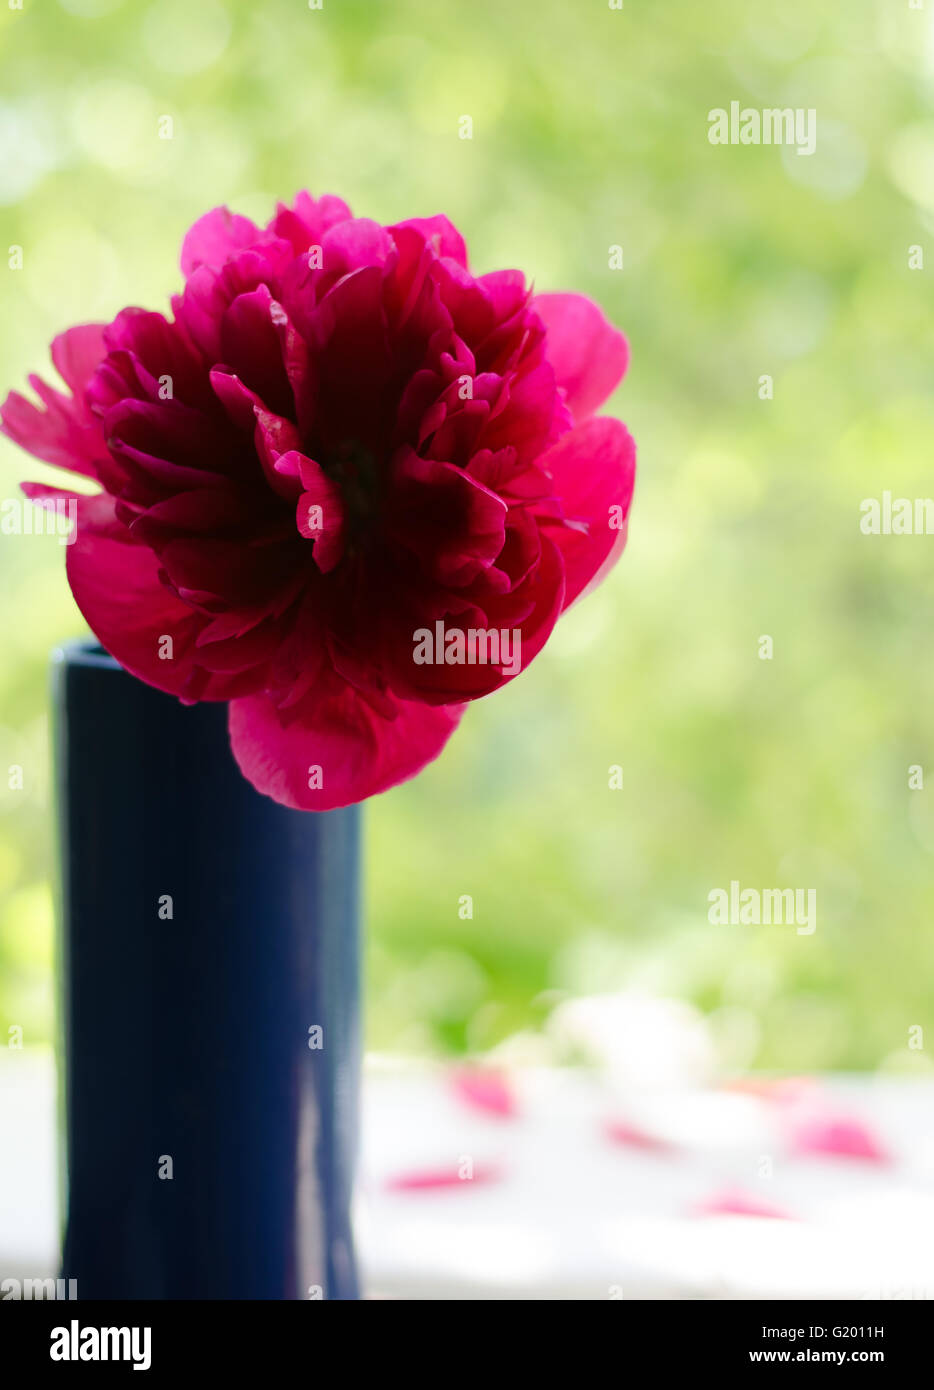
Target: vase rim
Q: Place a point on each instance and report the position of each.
(84, 651)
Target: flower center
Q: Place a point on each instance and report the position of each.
(355, 470)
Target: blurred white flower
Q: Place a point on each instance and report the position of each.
(639, 1041)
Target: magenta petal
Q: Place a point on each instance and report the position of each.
(594, 470)
(633, 1136)
(840, 1136)
(320, 514)
(251, 348)
(588, 354)
(47, 494)
(734, 1201)
(485, 1089)
(117, 587)
(64, 434)
(306, 222)
(440, 234)
(334, 749)
(77, 353)
(215, 237)
(354, 243)
(430, 1179)
(445, 517)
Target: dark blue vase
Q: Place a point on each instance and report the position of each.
(210, 1005)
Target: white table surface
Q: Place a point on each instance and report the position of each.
(559, 1208)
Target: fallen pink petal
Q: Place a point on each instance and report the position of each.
(779, 1090)
(736, 1202)
(839, 1136)
(486, 1090)
(632, 1136)
(432, 1179)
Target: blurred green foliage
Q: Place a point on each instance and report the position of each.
(590, 130)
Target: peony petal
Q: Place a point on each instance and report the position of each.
(430, 1179)
(588, 354)
(155, 359)
(215, 237)
(64, 434)
(320, 514)
(334, 737)
(47, 494)
(306, 222)
(440, 234)
(251, 348)
(593, 468)
(77, 353)
(356, 242)
(485, 1089)
(448, 520)
(208, 291)
(273, 436)
(514, 626)
(632, 1136)
(733, 1201)
(838, 1136)
(117, 587)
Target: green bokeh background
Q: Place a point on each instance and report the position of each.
(589, 131)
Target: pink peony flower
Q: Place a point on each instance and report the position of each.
(341, 457)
